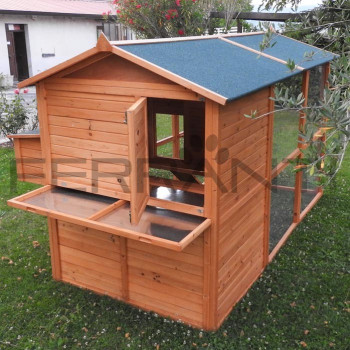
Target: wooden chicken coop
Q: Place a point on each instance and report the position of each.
(185, 232)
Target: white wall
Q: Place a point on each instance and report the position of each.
(64, 36)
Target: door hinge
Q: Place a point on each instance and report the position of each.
(130, 216)
(126, 118)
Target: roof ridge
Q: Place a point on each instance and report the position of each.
(175, 39)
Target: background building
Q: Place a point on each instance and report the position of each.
(38, 34)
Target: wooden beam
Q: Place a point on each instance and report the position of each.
(44, 131)
(19, 160)
(23, 136)
(259, 53)
(260, 16)
(177, 185)
(176, 206)
(175, 128)
(54, 249)
(268, 176)
(195, 233)
(175, 39)
(169, 139)
(282, 241)
(107, 210)
(211, 211)
(299, 174)
(285, 162)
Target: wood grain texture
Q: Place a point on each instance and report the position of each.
(44, 131)
(138, 156)
(29, 160)
(241, 200)
(211, 211)
(171, 284)
(54, 249)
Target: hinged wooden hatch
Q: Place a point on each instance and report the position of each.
(157, 226)
(136, 118)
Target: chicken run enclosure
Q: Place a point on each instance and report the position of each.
(159, 191)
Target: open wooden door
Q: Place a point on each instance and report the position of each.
(136, 117)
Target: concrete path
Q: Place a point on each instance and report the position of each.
(30, 99)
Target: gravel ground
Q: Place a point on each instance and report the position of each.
(30, 98)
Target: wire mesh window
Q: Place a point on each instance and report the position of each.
(309, 189)
(282, 205)
(316, 85)
(286, 123)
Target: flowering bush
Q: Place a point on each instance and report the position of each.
(163, 18)
(14, 114)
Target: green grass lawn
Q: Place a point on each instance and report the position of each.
(301, 300)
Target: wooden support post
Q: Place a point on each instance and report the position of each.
(299, 175)
(175, 133)
(54, 249)
(239, 26)
(211, 198)
(326, 71)
(44, 131)
(268, 176)
(19, 160)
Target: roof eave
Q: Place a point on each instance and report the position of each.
(57, 14)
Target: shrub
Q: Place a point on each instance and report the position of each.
(163, 18)
(14, 114)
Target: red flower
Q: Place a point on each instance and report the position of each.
(17, 91)
(131, 21)
(104, 13)
(138, 6)
(167, 17)
(178, 2)
(181, 32)
(118, 11)
(26, 91)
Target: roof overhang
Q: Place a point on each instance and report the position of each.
(55, 14)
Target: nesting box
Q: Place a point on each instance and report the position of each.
(159, 190)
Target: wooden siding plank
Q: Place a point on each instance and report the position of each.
(91, 155)
(31, 143)
(163, 274)
(86, 95)
(116, 117)
(88, 124)
(106, 137)
(89, 145)
(89, 104)
(192, 254)
(91, 279)
(106, 269)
